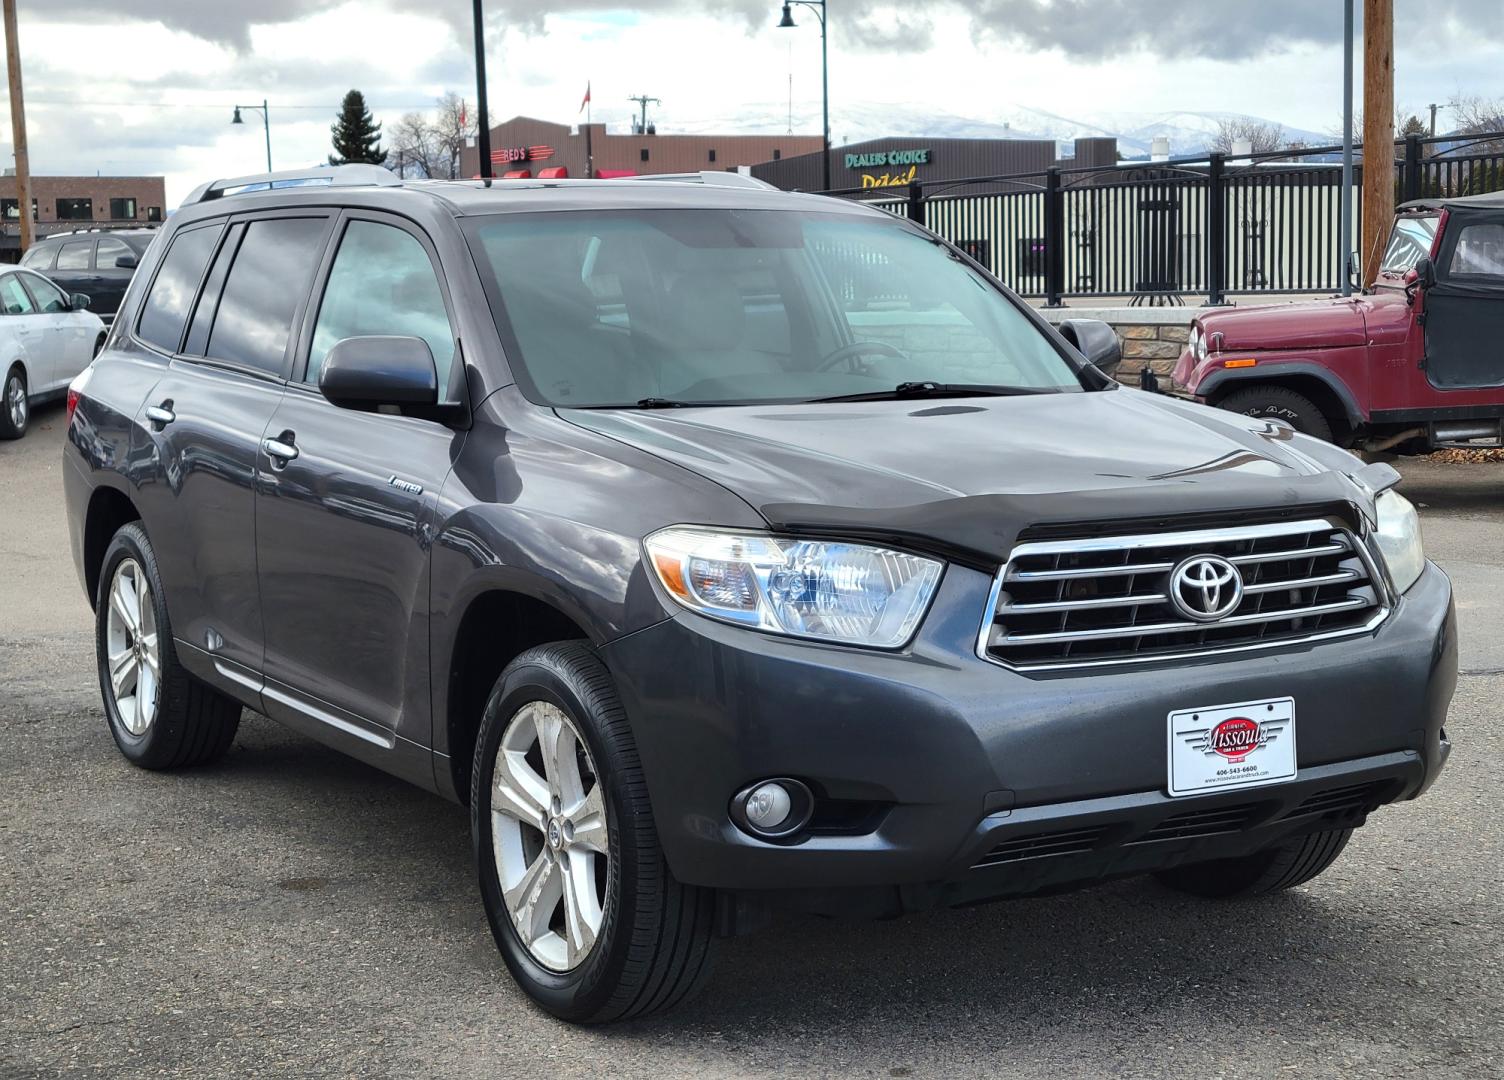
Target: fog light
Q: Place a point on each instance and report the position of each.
(768, 807)
(773, 809)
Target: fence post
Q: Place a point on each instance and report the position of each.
(1411, 186)
(1054, 239)
(916, 203)
(1216, 232)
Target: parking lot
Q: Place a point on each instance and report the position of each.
(291, 912)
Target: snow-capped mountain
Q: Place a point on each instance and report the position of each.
(1189, 131)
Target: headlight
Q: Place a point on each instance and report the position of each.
(822, 589)
(1198, 344)
(1398, 535)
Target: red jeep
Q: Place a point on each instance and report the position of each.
(1413, 364)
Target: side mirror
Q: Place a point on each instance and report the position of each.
(78, 302)
(369, 372)
(1096, 341)
(125, 262)
(1425, 272)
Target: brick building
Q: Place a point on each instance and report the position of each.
(524, 146)
(62, 203)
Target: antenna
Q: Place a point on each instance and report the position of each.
(641, 128)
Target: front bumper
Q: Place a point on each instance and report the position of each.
(973, 772)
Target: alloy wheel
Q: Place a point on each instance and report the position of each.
(549, 835)
(15, 402)
(132, 648)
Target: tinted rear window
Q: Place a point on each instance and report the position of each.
(75, 256)
(166, 307)
(270, 276)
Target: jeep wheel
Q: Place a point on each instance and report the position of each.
(583, 908)
(15, 407)
(1278, 403)
(160, 715)
(1281, 867)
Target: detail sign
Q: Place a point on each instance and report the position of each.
(510, 154)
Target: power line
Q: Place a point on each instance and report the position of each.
(194, 105)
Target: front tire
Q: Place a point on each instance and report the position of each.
(581, 903)
(1274, 869)
(1278, 403)
(160, 715)
(15, 404)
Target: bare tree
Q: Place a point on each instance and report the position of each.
(413, 149)
(430, 146)
(453, 128)
(1264, 136)
(1475, 115)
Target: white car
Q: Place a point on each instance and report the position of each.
(46, 338)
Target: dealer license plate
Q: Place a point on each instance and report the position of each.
(1232, 746)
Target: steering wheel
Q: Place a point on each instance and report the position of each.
(855, 349)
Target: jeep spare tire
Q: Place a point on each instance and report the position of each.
(1278, 403)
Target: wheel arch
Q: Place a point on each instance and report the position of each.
(499, 623)
(1329, 393)
(109, 510)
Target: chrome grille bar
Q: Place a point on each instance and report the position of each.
(1108, 600)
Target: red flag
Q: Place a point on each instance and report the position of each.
(586, 101)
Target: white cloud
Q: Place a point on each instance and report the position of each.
(91, 70)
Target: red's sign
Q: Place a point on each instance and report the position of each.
(508, 155)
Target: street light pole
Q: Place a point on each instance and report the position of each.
(818, 7)
(266, 122)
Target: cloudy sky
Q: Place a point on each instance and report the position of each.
(147, 86)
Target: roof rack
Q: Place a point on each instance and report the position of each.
(324, 176)
(708, 178)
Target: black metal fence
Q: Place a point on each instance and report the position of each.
(1158, 231)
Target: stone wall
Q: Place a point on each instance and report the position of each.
(1151, 337)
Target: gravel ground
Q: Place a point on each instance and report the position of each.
(290, 912)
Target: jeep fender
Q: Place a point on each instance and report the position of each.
(1223, 381)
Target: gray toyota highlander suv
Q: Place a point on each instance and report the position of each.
(727, 549)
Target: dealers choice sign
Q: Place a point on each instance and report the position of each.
(901, 166)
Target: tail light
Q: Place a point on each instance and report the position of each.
(76, 391)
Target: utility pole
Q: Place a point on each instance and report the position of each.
(483, 130)
(1345, 225)
(18, 125)
(642, 101)
(1378, 132)
(1433, 120)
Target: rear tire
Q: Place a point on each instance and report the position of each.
(1272, 870)
(15, 404)
(651, 940)
(1278, 403)
(160, 715)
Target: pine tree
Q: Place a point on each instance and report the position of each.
(357, 137)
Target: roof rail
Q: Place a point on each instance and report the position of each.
(708, 178)
(323, 176)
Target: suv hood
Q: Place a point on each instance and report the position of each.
(1315, 323)
(970, 474)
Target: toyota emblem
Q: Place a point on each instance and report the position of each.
(1206, 588)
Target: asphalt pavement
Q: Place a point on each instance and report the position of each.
(289, 912)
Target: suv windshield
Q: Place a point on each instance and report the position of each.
(714, 307)
(1412, 238)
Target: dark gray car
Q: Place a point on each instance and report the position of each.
(727, 549)
(99, 263)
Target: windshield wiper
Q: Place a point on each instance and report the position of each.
(935, 390)
(661, 403)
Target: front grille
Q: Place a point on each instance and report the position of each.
(1341, 802)
(1042, 845)
(1197, 823)
(1060, 603)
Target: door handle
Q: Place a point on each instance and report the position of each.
(161, 415)
(281, 450)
